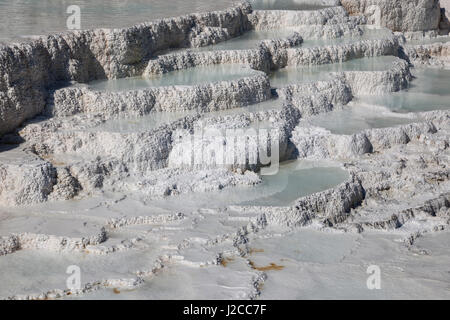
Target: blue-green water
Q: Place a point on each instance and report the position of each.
(294, 75)
(186, 77)
(430, 90)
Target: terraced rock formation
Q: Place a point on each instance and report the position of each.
(109, 179)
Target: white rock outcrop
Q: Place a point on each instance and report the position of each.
(25, 179)
(202, 97)
(404, 15)
(434, 55)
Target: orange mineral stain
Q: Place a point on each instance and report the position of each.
(270, 267)
(253, 250)
(225, 261)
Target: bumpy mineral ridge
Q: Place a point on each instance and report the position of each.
(101, 178)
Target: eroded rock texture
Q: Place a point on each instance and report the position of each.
(98, 174)
(406, 15)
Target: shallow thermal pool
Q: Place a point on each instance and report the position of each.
(144, 123)
(294, 179)
(157, 119)
(441, 39)
(368, 33)
(186, 77)
(249, 40)
(253, 38)
(288, 4)
(292, 182)
(301, 74)
(356, 117)
(272, 104)
(430, 90)
(22, 19)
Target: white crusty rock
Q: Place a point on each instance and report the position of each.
(137, 151)
(404, 15)
(57, 243)
(434, 55)
(330, 206)
(170, 182)
(236, 141)
(317, 97)
(332, 31)
(264, 58)
(273, 19)
(314, 142)
(9, 245)
(25, 178)
(203, 97)
(338, 53)
(396, 78)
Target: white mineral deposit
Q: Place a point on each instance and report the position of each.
(196, 149)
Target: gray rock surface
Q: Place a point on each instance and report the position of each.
(317, 97)
(444, 24)
(396, 78)
(340, 53)
(434, 55)
(320, 143)
(25, 179)
(202, 97)
(104, 183)
(405, 15)
(268, 19)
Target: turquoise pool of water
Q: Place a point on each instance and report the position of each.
(430, 90)
(186, 77)
(301, 74)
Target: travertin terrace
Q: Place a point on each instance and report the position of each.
(115, 152)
